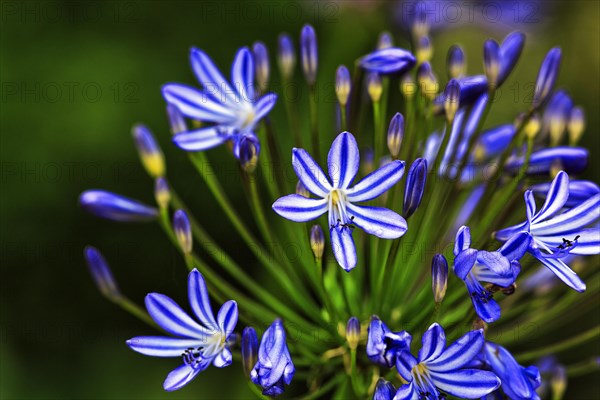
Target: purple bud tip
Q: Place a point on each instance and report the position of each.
(415, 186)
(115, 207)
(308, 53)
(183, 231)
(101, 272)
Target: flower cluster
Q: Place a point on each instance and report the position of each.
(460, 198)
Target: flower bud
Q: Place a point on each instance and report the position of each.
(385, 41)
(248, 153)
(491, 62)
(162, 194)
(261, 62)
(176, 120)
(183, 231)
(415, 186)
(302, 190)
(308, 53)
(101, 273)
(150, 153)
(286, 56)
(420, 27)
(439, 277)
(249, 349)
(115, 207)
(384, 390)
(342, 85)
(558, 382)
(353, 332)
(392, 60)
(451, 99)
(408, 86)
(576, 125)
(427, 81)
(395, 134)
(424, 50)
(374, 87)
(455, 62)
(368, 161)
(546, 77)
(317, 241)
(532, 127)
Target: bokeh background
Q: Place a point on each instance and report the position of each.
(76, 75)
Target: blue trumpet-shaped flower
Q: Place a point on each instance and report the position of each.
(391, 60)
(274, 367)
(199, 344)
(556, 235)
(337, 197)
(499, 268)
(518, 382)
(116, 207)
(439, 369)
(383, 345)
(232, 109)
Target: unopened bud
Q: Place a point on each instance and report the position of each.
(491, 62)
(451, 99)
(286, 56)
(395, 134)
(576, 125)
(558, 382)
(308, 53)
(249, 148)
(439, 277)
(249, 349)
(532, 127)
(317, 241)
(162, 194)
(546, 76)
(183, 231)
(424, 49)
(150, 153)
(374, 87)
(261, 62)
(101, 273)
(415, 187)
(455, 62)
(385, 41)
(408, 86)
(342, 85)
(427, 81)
(353, 332)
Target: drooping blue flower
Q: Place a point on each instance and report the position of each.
(391, 60)
(499, 268)
(439, 369)
(232, 109)
(572, 160)
(337, 197)
(579, 191)
(555, 235)
(518, 382)
(199, 344)
(112, 206)
(274, 367)
(383, 345)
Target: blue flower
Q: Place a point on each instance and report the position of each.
(384, 390)
(383, 344)
(116, 207)
(232, 109)
(274, 366)
(439, 369)
(554, 235)
(198, 344)
(579, 191)
(337, 197)
(572, 160)
(391, 60)
(518, 382)
(499, 268)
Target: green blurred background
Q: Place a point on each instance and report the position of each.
(76, 75)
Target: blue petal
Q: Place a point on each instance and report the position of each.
(579, 191)
(388, 61)
(588, 241)
(450, 149)
(573, 160)
(510, 51)
(377, 182)
(199, 300)
(547, 76)
(309, 172)
(162, 346)
(459, 353)
(472, 124)
(343, 160)
(556, 198)
(200, 139)
(407, 392)
(464, 262)
(496, 140)
(486, 308)
(242, 75)
(530, 205)
(223, 359)
(115, 207)
(415, 186)
(166, 313)
(495, 261)
(471, 89)
(507, 233)
(405, 362)
(564, 273)
(469, 205)
(196, 104)
(434, 342)
(384, 390)
(463, 240)
(182, 375)
(569, 221)
(466, 383)
(210, 77)
(264, 105)
(299, 208)
(378, 221)
(227, 317)
(516, 246)
(343, 248)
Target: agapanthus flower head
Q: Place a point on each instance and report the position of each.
(308, 53)
(440, 369)
(391, 60)
(101, 273)
(546, 76)
(150, 153)
(274, 367)
(198, 344)
(383, 345)
(555, 235)
(112, 206)
(455, 62)
(337, 198)
(232, 109)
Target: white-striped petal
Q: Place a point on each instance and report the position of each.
(182, 375)
(227, 317)
(163, 346)
(377, 221)
(309, 172)
(377, 182)
(199, 300)
(343, 247)
(343, 160)
(555, 199)
(466, 383)
(200, 139)
(299, 208)
(166, 313)
(434, 342)
(459, 353)
(242, 75)
(264, 105)
(210, 77)
(223, 359)
(196, 104)
(576, 218)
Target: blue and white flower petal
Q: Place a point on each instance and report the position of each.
(343, 160)
(200, 139)
(112, 206)
(377, 182)
(378, 221)
(343, 247)
(579, 191)
(298, 208)
(390, 60)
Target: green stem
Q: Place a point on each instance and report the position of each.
(583, 337)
